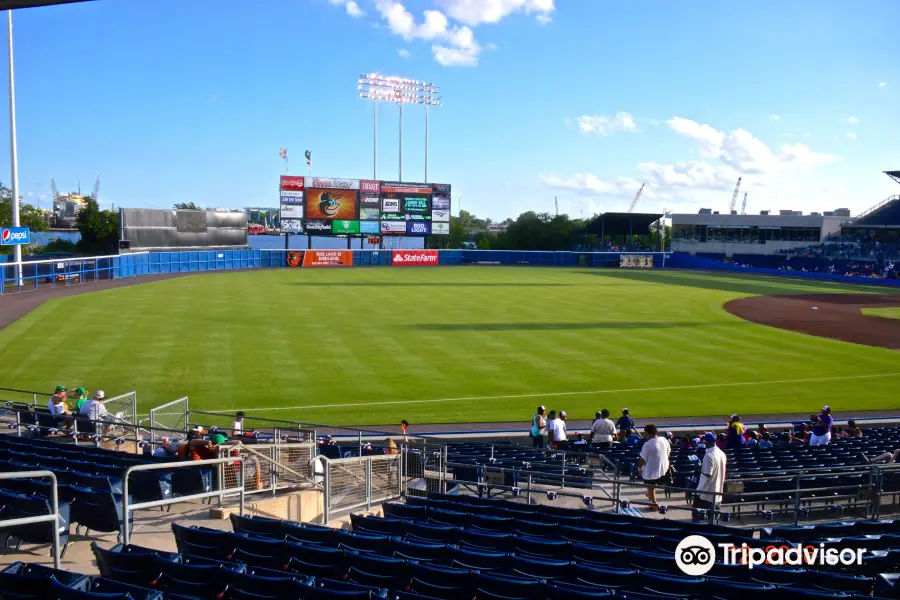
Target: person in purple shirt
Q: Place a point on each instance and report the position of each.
(821, 433)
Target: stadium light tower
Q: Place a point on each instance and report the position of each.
(377, 87)
(13, 151)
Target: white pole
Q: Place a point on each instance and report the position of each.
(375, 139)
(13, 155)
(400, 104)
(426, 143)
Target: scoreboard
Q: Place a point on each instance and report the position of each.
(331, 206)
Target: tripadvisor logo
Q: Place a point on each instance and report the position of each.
(695, 555)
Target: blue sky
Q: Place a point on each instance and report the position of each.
(180, 100)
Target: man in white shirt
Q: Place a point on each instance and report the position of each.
(603, 430)
(237, 428)
(654, 462)
(559, 433)
(712, 477)
(57, 407)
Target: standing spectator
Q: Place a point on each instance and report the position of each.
(404, 426)
(237, 428)
(712, 478)
(538, 427)
(551, 425)
(821, 433)
(654, 462)
(603, 431)
(625, 424)
(559, 433)
(735, 432)
(853, 430)
(81, 396)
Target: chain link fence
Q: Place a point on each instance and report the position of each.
(269, 467)
(171, 416)
(359, 482)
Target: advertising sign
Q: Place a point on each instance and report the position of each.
(393, 217)
(440, 229)
(344, 227)
(417, 217)
(393, 227)
(441, 189)
(331, 204)
(318, 226)
(291, 211)
(370, 201)
(291, 183)
(416, 204)
(15, 236)
(401, 187)
(440, 215)
(331, 183)
(418, 228)
(292, 225)
(390, 205)
(369, 213)
(292, 197)
(369, 227)
(369, 185)
(414, 258)
(438, 203)
(328, 258)
(294, 258)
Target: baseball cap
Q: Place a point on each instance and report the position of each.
(60, 388)
(826, 409)
(218, 439)
(99, 395)
(562, 413)
(732, 417)
(80, 391)
(624, 411)
(542, 407)
(669, 434)
(709, 437)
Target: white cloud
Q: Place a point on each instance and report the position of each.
(589, 184)
(775, 117)
(604, 125)
(544, 19)
(851, 135)
(351, 6)
(404, 53)
(852, 120)
(454, 45)
(476, 12)
(882, 84)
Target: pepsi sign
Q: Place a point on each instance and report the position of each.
(14, 236)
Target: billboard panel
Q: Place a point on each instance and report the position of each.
(332, 183)
(344, 227)
(291, 211)
(292, 197)
(440, 203)
(328, 258)
(369, 213)
(390, 205)
(291, 183)
(393, 227)
(441, 189)
(318, 226)
(292, 225)
(418, 228)
(372, 201)
(440, 229)
(369, 186)
(416, 204)
(400, 187)
(440, 215)
(369, 227)
(331, 204)
(414, 258)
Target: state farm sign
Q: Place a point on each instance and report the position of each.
(414, 258)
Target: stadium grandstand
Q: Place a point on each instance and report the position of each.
(356, 514)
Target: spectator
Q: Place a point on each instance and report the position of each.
(735, 438)
(654, 462)
(712, 478)
(197, 448)
(237, 427)
(686, 442)
(603, 431)
(579, 440)
(784, 440)
(625, 425)
(887, 457)
(670, 437)
(57, 407)
(81, 396)
(752, 439)
(633, 440)
(766, 442)
(404, 426)
(551, 425)
(538, 427)
(821, 433)
(560, 436)
(802, 436)
(391, 447)
(721, 441)
(853, 430)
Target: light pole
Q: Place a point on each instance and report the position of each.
(399, 90)
(13, 152)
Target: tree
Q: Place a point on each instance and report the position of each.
(99, 229)
(29, 216)
(186, 206)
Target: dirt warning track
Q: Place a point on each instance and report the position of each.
(834, 316)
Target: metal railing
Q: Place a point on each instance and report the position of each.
(171, 415)
(359, 482)
(52, 518)
(270, 467)
(128, 508)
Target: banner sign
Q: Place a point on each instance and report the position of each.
(14, 236)
(636, 261)
(393, 227)
(330, 183)
(291, 183)
(441, 189)
(418, 217)
(291, 197)
(369, 213)
(291, 211)
(414, 258)
(438, 203)
(405, 188)
(369, 227)
(440, 215)
(370, 201)
(318, 226)
(418, 228)
(416, 205)
(292, 225)
(331, 204)
(440, 229)
(344, 227)
(390, 205)
(295, 258)
(328, 258)
(369, 185)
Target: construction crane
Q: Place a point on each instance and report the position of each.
(53, 187)
(744, 205)
(734, 196)
(637, 197)
(96, 188)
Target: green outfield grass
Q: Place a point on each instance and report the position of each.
(372, 346)
(890, 313)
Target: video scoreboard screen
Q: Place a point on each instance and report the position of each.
(330, 206)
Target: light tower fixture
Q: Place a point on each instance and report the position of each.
(399, 90)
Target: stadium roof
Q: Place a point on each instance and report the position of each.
(12, 4)
(895, 175)
(622, 223)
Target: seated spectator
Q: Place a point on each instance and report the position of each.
(766, 442)
(391, 447)
(579, 440)
(81, 396)
(801, 436)
(633, 440)
(887, 458)
(752, 439)
(58, 408)
(686, 442)
(196, 448)
(721, 442)
(853, 430)
(784, 440)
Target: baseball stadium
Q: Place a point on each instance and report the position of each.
(692, 406)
